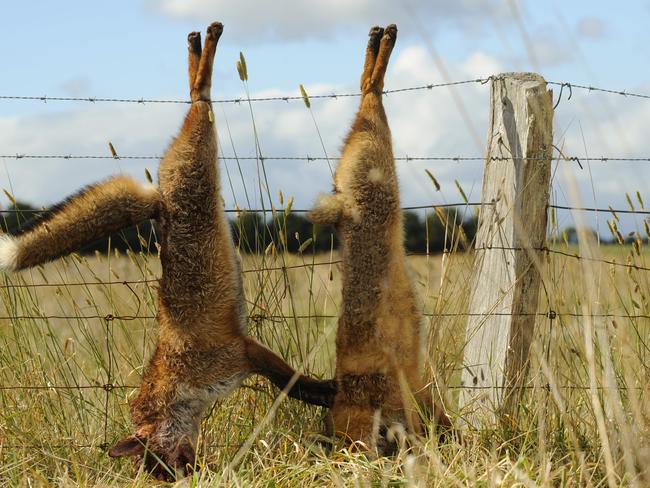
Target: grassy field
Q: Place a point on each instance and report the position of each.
(583, 419)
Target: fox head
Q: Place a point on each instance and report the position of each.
(165, 435)
(165, 457)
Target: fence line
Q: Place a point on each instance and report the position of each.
(308, 158)
(455, 387)
(295, 266)
(591, 88)
(238, 100)
(107, 386)
(279, 210)
(407, 208)
(551, 314)
(566, 254)
(108, 319)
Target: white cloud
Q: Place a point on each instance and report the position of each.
(133, 130)
(592, 28)
(251, 20)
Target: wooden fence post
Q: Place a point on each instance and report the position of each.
(511, 235)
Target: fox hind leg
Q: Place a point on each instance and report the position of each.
(385, 49)
(265, 362)
(372, 50)
(203, 79)
(194, 55)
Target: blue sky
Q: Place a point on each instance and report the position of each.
(137, 49)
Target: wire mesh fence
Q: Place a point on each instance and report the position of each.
(270, 287)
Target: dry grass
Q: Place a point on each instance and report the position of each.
(567, 434)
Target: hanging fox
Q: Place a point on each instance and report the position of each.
(379, 360)
(203, 350)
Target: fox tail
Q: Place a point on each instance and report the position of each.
(93, 213)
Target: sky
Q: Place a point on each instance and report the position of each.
(137, 49)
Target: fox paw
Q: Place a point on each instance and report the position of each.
(215, 30)
(194, 42)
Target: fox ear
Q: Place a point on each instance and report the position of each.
(129, 446)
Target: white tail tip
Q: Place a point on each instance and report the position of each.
(8, 253)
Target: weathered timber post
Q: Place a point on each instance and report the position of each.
(509, 243)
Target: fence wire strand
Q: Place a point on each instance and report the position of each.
(333, 96)
(308, 158)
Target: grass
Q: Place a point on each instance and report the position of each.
(583, 419)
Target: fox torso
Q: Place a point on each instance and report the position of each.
(378, 340)
(201, 281)
(200, 355)
(201, 350)
(379, 306)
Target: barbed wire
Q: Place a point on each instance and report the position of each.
(81, 283)
(236, 100)
(132, 387)
(288, 98)
(108, 317)
(261, 317)
(101, 446)
(107, 386)
(601, 209)
(592, 88)
(308, 158)
(405, 208)
(287, 267)
(563, 253)
(277, 210)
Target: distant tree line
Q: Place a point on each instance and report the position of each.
(433, 232)
(295, 233)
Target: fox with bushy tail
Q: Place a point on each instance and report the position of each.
(378, 347)
(203, 350)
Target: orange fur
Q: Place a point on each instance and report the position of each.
(378, 348)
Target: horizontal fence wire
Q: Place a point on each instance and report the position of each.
(101, 446)
(287, 98)
(406, 209)
(298, 266)
(564, 253)
(275, 318)
(132, 387)
(280, 210)
(591, 88)
(308, 158)
(108, 317)
(106, 387)
(238, 100)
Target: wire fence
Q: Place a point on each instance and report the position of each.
(307, 158)
(287, 98)
(108, 385)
